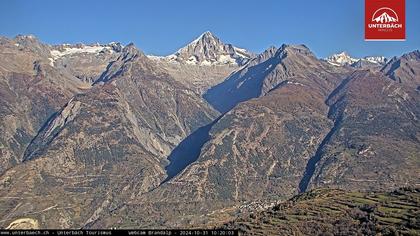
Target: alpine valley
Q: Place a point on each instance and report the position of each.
(211, 136)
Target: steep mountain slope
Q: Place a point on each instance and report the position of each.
(31, 91)
(269, 70)
(269, 127)
(335, 212)
(374, 143)
(316, 126)
(405, 69)
(104, 147)
(197, 78)
(258, 150)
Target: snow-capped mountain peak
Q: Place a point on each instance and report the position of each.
(208, 50)
(344, 59)
(341, 59)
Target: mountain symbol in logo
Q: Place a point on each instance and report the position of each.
(388, 15)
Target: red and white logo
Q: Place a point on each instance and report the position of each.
(385, 15)
(384, 19)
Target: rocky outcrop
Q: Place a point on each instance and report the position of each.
(405, 69)
(86, 62)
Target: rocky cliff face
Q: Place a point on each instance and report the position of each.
(31, 92)
(86, 62)
(197, 78)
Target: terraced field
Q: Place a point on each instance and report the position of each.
(336, 212)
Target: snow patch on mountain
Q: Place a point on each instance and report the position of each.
(67, 49)
(378, 59)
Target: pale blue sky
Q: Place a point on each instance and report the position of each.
(161, 27)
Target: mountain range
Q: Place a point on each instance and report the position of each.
(104, 136)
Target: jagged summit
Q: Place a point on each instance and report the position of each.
(297, 47)
(300, 49)
(131, 49)
(268, 53)
(405, 69)
(207, 50)
(30, 43)
(285, 50)
(414, 55)
(204, 38)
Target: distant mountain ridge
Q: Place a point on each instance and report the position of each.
(344, 59)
